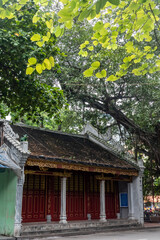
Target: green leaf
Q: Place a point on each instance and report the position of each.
(72, 5)
(45, 39)
(39, 68)
(88, 73)
(149, 56)
(137, 60)
(91, 48)
(32, 61)
(114, 2)
(84, 14)
(147, 48)
(35, 19)
(51, 59)
(101, 74)
(93, 14)
(69, 24)
(35, 37)
(65, 14)
(100, 5)
(142, 1)
(98, 26)
(43, 66)
(95, 64)
(129, 47)
(95, 43)
(23, 1)
(49, 24)
(83, 53)
(136, 72)
(58, 31)
(4, 1)
(47, 64)
(29, 70)
(158, 63)
(112, 78)
(40, 44)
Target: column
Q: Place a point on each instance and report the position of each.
(18, 207)
(141, 199)
(102, 201)
(63, 217)
(130, 202)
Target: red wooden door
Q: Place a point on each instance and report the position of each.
(75, 197)
(110, 199)
(33, 206)
(53, 197)
(92, 197)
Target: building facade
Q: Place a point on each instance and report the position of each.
(66, 177)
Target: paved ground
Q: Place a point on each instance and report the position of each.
(151, 231)
(143, 234)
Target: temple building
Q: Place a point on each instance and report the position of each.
(55, 177)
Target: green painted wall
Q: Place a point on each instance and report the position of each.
(8, 182)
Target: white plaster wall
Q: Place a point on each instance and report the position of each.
(138, 199)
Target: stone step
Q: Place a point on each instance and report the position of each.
(31, 231)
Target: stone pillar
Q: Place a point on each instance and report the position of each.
(140, 163)
(63, 217)
(135, 196)
(102, 201)
(18, 207)
(130, 202)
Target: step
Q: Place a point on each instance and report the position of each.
(31, 231)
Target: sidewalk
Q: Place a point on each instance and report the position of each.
(6, 238)
(151, 225)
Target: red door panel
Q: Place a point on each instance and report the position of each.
(92, 197)
(53, 199)
(75, 197)
(110, 189)
(33, 205)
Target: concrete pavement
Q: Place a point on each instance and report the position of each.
(141, 234)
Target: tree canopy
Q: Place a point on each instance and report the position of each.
(131, 103)
(122, 44)
(21, 93)
(115, 23)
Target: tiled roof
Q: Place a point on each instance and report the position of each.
(46, 144)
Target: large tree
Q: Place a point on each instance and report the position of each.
(127, 35)
(21, 93)
(130, 105)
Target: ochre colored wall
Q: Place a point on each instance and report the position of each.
(8, 182)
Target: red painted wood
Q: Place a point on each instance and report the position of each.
(54, 198)
(33, 205)
(42, 196)
(111, 190)
(92, 197)
(117, 198)
(110, 206)
(75, 197)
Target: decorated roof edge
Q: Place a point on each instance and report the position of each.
(12, 137)
(109, 144)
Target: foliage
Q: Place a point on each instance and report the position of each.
(21, 93)
(151, 180)
(123, 44)
(130, 105)
(115, 24)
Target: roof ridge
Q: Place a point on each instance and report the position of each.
(114, 150)
(48, 130)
